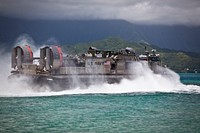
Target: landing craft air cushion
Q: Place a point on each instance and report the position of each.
(65, 72)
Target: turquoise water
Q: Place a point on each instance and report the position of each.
(190, 78)
(159, 112)
(150, 112)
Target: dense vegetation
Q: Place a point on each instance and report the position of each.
(177, 60)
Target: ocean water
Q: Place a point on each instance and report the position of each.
(166, 102)
(190, 78)
(150, 112)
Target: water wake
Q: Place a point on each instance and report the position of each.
(144, 81)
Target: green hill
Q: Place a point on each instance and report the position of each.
(179, 61)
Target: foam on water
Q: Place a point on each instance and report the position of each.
(144, 81)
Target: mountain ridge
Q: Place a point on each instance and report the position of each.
(76, 31)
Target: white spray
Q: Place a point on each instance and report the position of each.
(144, 81)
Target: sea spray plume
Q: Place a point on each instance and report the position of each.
(142, 69)
(2, 49)
(8, 88)
(53, 85)
(93, 80)
(51, 41)
(25, 39)
(158, 80)
(36, 49)
(19, 85)
(144, 81)
(168, 73)
(73, 66)
(138, 69)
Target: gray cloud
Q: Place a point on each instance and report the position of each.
(166, 12)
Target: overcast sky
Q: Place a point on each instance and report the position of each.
(165, 12)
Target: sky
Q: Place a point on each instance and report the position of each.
(162, 12)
